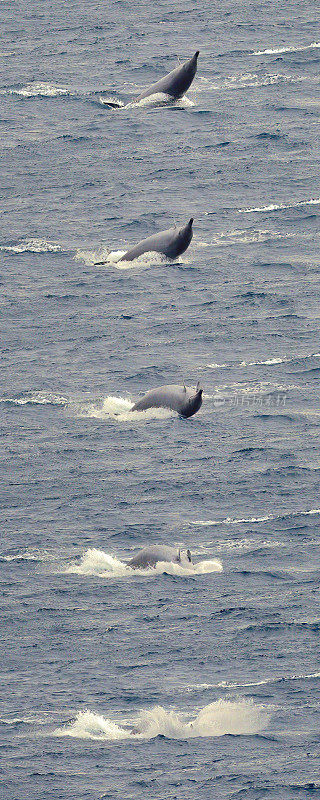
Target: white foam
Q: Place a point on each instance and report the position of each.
(160, 99)
(120, 409)
(27, 556)
(245, 545)
(102, 258)
(92, 726)
(268, 361)
(240, 394)
(38, 89)
(229, 238)
(19, 720)
(36, 398)
(265, 682)
(230, 521)
(90, 257)
(97, 562)
(150, 259)
(32, 246)
(280, 206)
(290, 49)
(266, 518)
(252, 80)
(216, 719)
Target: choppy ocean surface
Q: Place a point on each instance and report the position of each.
(169, 682)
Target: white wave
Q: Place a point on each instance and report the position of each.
(245, 545)
(27, 556)
(151, 259)
(91, 257)
(160, 99)
(264, 682)
(216, 719)
(120, 409)
(37, 398)
(267, 361)
(97, 562)
(241, 393)
(18, 720)
(265, 518)
(229, 238)
(230, 521)
(251, 80)
(280, 206)
(32, 246)
(290, 49)
(104, 257)
(38, 89)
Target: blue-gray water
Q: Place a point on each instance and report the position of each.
(90, 649)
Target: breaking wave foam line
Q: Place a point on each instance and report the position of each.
(32, 246)
(38, 89)
(266, 518)
(267, 362)
(103, 565)
(289, 49)
(280, 206)
(36, 398)
(265, 682)
(21, 557)
(216, 719)
(235, 237)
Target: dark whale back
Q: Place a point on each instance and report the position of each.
(176, 83)
(179, 398)
(150, 555)
(172, 243)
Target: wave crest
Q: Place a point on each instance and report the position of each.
(290, 49)
(314, 201)
(38, 89)
(216, 719)
(32, 246)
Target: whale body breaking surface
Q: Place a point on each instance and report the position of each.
(171, 242)
(175, 83)
(178, 398)
(150, 556)
(172, 86)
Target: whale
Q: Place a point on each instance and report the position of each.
(149, 557)
(175, 83)
(172, 243)
(179, 398)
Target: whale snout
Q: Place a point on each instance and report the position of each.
(196, 54)
(190, 222)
